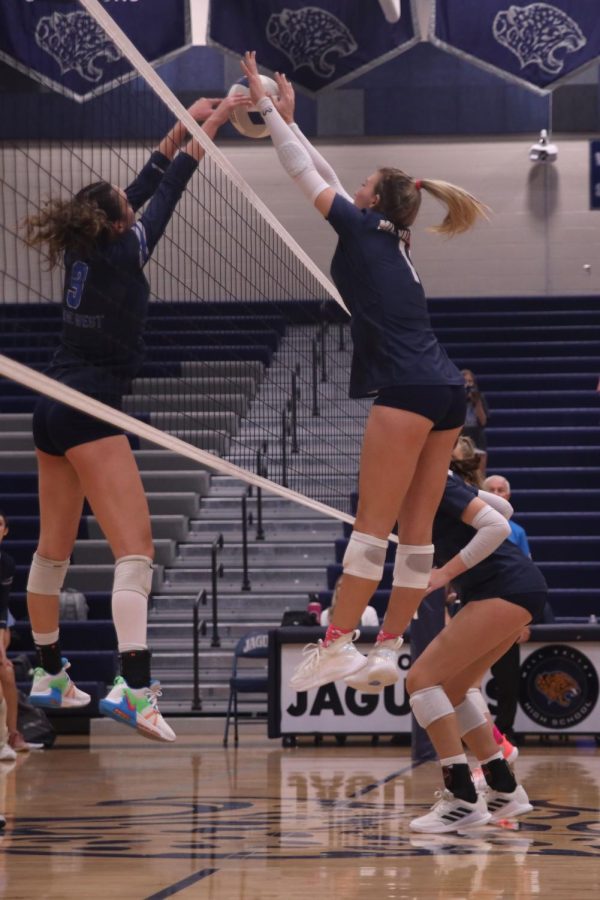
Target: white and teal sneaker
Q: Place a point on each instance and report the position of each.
(138, 708)
(56, 691)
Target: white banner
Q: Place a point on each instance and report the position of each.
(337, 709)
(559, 694)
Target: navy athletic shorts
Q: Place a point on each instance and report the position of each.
(532, 601)
(444, 404)
(57, 427)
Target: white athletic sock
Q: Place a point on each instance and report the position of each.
(130, 615)
(454, 760)
(43, 639)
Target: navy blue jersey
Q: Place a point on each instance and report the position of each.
(392, 337)
(7, 573)
(105, 299)
(505, 571)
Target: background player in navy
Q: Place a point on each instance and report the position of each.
(104, 308)
(501, 591)
(419, 405)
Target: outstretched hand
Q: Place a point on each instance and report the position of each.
(286, 102)
(222, 108)
(250, 70)
(201, 109)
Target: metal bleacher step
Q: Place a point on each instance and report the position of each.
(274, 529)
(212, 386)
(95, 577)
(172, 527)
(227, 506)
(178, 402)
(212, 441)
(172, 632)
(231, 603)
(276, 577)
(266, 553)
(97, 552)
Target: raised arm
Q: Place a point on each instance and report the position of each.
(286, 105)
(292, 154)
(145, 184)
(150, 227)
(491, 530)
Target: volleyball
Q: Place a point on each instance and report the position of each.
(249, 122)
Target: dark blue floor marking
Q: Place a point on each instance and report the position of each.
(182, 885)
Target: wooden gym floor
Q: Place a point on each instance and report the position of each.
(120, 817)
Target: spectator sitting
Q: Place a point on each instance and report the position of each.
(498, 484)
(368, 619)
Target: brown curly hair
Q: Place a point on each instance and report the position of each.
(75, 225)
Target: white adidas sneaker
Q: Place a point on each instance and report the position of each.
(381, 668)
(450, 813)
(508, 806)
(324, 664)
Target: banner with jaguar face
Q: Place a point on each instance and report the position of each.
(60, 45)
(536, 44)
(317, 45)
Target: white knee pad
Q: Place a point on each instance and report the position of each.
(430, 704)
(469, 714)
(133, 573)
(412, 566)
(365, 556)
(479, 700)
(46, 576)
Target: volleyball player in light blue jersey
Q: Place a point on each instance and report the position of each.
(419, 397)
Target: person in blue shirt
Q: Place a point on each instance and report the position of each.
(418, 393)
(105, 299)
(498, 484)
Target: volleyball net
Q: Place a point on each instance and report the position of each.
(241, 363)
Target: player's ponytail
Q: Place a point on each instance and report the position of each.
(463, 208)
(400, 201)
(74, 225)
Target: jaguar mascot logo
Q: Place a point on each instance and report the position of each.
(76, 42)
(308, 36)
(538, 34)
(557, 687)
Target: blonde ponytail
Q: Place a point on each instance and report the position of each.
(463, 208)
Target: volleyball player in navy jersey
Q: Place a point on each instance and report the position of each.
(501, 591)
(104, 304)
(419, 396)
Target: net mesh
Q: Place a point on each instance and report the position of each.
(240, 361)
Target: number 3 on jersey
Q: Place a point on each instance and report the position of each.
(79, 272)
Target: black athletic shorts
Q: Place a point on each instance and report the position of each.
(532, 601)
(444, 404)
(57, 428)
